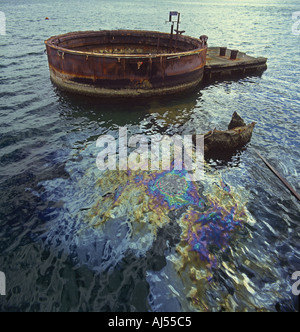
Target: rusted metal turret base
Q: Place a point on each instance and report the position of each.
(94, 91)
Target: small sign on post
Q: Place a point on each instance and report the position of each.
(171, 15)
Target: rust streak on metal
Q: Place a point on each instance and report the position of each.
(96, 61)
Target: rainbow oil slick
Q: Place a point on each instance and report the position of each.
(174, 189)
(214, 226)
(210, 217)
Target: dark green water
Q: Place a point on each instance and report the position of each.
(48, 152)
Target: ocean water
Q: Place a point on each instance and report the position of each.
(65, 245)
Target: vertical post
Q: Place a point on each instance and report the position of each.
(171, 37)
(178, 22)
(177, 30)
(171, 14)
(172, 30)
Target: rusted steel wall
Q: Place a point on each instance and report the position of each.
(73, 64)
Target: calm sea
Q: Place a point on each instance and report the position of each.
(53, 259)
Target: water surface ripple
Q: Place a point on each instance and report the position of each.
(54, 257)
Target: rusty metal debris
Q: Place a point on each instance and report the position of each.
(280, 177)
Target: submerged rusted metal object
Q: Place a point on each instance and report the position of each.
(218, 143)
(125, 63)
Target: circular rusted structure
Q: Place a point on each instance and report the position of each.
(125, 63)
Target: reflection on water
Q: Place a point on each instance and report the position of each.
(75, 238)
(207, 222)
(191, 240)
(152, 240)
(195, 224)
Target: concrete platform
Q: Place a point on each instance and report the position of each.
(224, 66)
